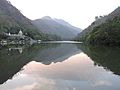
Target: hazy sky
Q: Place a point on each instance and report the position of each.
(80, 13)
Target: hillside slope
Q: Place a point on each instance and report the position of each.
(99, 21)
(107, 32)
(57, 27)
(12, 20)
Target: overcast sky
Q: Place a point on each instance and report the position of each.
(80, 13)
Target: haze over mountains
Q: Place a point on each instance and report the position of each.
(12, 20)
(57, 27)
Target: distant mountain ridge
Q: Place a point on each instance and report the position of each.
(75, 29)
(12, 20)
(57, 27)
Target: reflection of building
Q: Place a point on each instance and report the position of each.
(20, 49)
(3, 42)
(20, 35)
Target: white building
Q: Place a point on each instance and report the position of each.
(19, 35)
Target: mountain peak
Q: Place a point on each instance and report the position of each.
(46, 17)
(57, 27)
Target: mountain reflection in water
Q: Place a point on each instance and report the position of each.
(59, 67)
(11, 60)
(107, 57)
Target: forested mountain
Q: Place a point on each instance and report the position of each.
(101, 19)
(12, 20)
(105, 30)
(57, 27)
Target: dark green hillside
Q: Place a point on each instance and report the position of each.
(104, 31)
(107, 33)
(11, 20)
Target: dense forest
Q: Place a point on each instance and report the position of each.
(107, 33)
(103, 31)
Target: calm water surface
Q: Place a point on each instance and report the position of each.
(59, 67)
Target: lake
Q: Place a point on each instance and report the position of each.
(59, 66)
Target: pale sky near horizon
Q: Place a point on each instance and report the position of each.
(79, 13)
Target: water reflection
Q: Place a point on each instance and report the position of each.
(19, 49)
(73, 69)
(75, 73)
(12, 59)
(107, 57)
